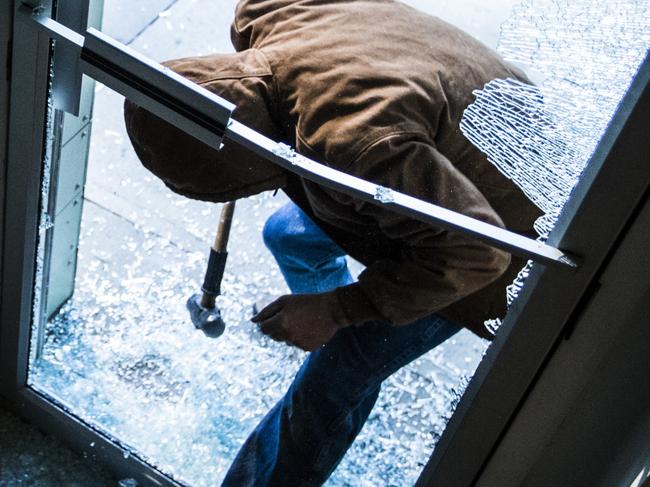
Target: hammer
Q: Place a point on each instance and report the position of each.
(203, 311)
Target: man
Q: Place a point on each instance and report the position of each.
(376, 89)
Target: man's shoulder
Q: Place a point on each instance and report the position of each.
(269, 17)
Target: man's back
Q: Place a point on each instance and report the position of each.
(375, 89)
(350, 72)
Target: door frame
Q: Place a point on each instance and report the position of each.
(531, 331)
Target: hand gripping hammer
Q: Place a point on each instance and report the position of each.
(203, 311)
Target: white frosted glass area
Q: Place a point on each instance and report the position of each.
(585, 53)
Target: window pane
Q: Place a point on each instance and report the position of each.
(583, 56)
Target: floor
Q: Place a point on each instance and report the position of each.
(128, 213)
(30, 458)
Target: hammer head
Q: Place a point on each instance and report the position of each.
(208, 320)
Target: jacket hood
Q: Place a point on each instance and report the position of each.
(190, 167)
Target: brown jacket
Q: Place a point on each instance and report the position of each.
(376, 89)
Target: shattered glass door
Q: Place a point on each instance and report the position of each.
(117, 347)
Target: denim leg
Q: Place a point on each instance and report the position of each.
(303, 438)
(308, 259)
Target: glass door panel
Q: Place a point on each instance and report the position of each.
(113, 342)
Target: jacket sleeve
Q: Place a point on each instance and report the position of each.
(436, 267)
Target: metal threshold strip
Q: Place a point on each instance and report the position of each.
(207, 117)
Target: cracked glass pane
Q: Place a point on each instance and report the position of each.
(585, 53)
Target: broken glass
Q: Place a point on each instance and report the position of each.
(586, 53)
(45, 225)
(123, 355)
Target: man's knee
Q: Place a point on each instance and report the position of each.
(280, 232)
(289, 231)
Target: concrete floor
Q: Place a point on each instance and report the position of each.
(26, 456)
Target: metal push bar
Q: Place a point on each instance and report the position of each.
(206, 116)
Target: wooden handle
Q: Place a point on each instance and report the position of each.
(223, 230)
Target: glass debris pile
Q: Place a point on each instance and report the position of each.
(124, 356)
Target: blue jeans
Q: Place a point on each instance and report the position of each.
(304, 437)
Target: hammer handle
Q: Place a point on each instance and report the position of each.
(223, 230)
(217, 262)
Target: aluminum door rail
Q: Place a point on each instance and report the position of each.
(151, 85)
(207, 117)
(285, 157)
(66, 85)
